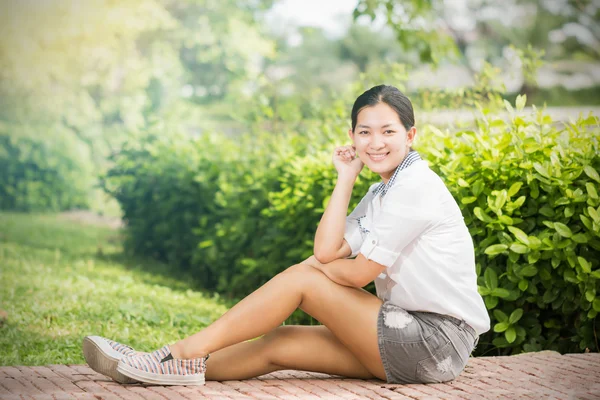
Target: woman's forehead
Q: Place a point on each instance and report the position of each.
(378, 125)
(378, 116)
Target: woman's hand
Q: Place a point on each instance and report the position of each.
(313, 262)
(345, 161)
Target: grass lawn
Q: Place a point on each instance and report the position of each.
(62, 280)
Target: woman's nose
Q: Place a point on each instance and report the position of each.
(376, 142)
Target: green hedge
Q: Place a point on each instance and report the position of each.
(528, 189)
(42, 173)
(236, 212)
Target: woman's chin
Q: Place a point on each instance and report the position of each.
(380, 168)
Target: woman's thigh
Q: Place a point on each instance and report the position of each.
(349, 313)
(312, 348)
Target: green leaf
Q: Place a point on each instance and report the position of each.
(501, 327)
(518, 202)
(500, 292)
(462, 183)
(535, 191)
(500, 315)
(550, 295)
(491, 278)
(590, 295)
(204, 244)
(561, 201)
(596, 304)
(533, 257)
(529, 271)
(515, 316)
(519, 248)
(585, 265)
(591, 189)
(547, 211)
(484, 291)
(495, 249)
(468, 200)
(490, 302)
(520, 103)
(478, 187)
(497, 123)
(500, 199)
(505, 219)
(569, 211)
(572, 260)
(563, 230)
(510, 334)
(592, 173)
(508, 106)
(523, 285)
(481, 215)
(534, 242)
(586, 221)
(549, 224)
(519, 234)
(570, 276)
(514, 188)
(542, 170)
(580, 238)
(594, 214)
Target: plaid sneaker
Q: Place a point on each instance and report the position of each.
(103, 355)
(160, 368)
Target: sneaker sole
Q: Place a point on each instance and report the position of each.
(160, 379)
(103, 359)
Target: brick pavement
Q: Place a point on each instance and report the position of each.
(543, 375)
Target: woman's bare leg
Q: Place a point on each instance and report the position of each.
(349, 313)
(305, 348)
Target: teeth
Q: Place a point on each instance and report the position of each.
(377, 156)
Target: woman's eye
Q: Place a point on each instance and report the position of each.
(363, 132)
(389, 131)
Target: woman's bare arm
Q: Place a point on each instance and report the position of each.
(355, 273)
(329, 240)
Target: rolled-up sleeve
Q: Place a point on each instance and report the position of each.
(398, 224)
(352, 233)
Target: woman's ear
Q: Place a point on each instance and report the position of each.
(410, 135)
(351, 135)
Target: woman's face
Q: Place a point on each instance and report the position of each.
(380, 139)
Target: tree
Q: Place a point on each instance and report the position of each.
(104, 69)
(471, 29)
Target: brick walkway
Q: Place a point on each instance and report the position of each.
(543, 375)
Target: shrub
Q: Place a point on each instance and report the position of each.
(43, 173)
(163, 185)
(235, 213)
(528, 190)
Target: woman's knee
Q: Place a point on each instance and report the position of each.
(302, 272)
(279, 342)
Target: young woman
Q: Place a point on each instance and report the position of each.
(407, 234)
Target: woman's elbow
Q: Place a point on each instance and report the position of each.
(360, 282)
(323, 257)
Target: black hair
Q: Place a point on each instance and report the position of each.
(389, 95)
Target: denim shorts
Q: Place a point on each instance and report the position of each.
(422, 347)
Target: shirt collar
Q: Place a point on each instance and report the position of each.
(383, 187)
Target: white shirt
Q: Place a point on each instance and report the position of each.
(418, 233)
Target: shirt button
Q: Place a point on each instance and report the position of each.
(373, 242)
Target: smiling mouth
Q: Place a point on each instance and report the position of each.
(378, 157)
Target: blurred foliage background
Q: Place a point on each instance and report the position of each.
(207, 125)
